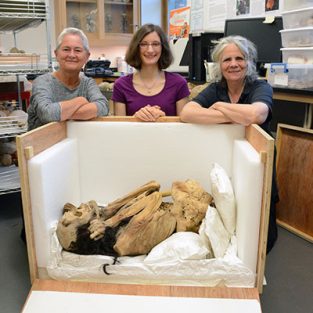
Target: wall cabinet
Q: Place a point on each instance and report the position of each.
(105, 22)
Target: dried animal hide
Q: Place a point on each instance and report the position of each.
(72, 219)
(85, 230)
(139, 222)
(146, 199)
(146, 229)
(190, 204)
(114, 206)
(87, 246)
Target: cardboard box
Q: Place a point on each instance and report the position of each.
(106, 158)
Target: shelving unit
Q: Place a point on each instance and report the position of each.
(16, 16)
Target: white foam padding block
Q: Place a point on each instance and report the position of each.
(53, 181)
(64, 302)
(247, 181)
(115, 158)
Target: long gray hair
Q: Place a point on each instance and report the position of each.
(246, 47)
(73, 31)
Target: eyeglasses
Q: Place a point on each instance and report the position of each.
(145, 45)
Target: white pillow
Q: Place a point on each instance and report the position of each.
(214, 229)
(179, 246)
(223, 195)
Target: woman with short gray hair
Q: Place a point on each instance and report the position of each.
(73, 31)
(66, 94)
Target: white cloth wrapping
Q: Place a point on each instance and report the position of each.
(227, 271)
(216, 233)
(179, 246)
(224, 198)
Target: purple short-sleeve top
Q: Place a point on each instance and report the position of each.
(175, 89)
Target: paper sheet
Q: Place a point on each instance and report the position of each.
(67, 302)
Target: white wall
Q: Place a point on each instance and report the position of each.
(31, 40)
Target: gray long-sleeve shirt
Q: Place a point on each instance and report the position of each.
(48, 91)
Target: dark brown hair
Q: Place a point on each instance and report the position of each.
(132, 56)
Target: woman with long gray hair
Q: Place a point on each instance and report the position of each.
(236, 96)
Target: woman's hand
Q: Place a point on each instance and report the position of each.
(149, 113)
(243, 114)
(69, 107)
(86, 112)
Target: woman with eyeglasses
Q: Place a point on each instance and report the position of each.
(150, 92)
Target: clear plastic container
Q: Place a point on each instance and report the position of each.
(297, 55)
(296, 76)
(297, 4)
(297, 37)
(298, 18)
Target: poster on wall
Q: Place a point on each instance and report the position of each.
(255, 8)
(215, 12)
(196, 16)
(271, 5)
(179, 23)
(242, 7)
(210, 15)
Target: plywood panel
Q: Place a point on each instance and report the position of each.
(146, 290)
(295, 178)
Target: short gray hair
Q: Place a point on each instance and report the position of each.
(73, 31)
(246, 47)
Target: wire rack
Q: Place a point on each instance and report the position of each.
(12, 126)
(18, 15)
(10, 179)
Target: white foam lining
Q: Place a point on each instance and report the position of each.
(247, 173)
(53, 180)
(118, 157)
(103, 161)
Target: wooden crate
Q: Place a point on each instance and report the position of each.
(295, 179)
(36, 141)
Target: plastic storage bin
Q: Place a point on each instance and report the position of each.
(297, 76)
(297, 55)
(297, 37)
(297, 4)
(298, 18)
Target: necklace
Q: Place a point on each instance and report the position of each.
(232, 99)
(149, 88)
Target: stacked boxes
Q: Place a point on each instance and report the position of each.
(297, 52)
